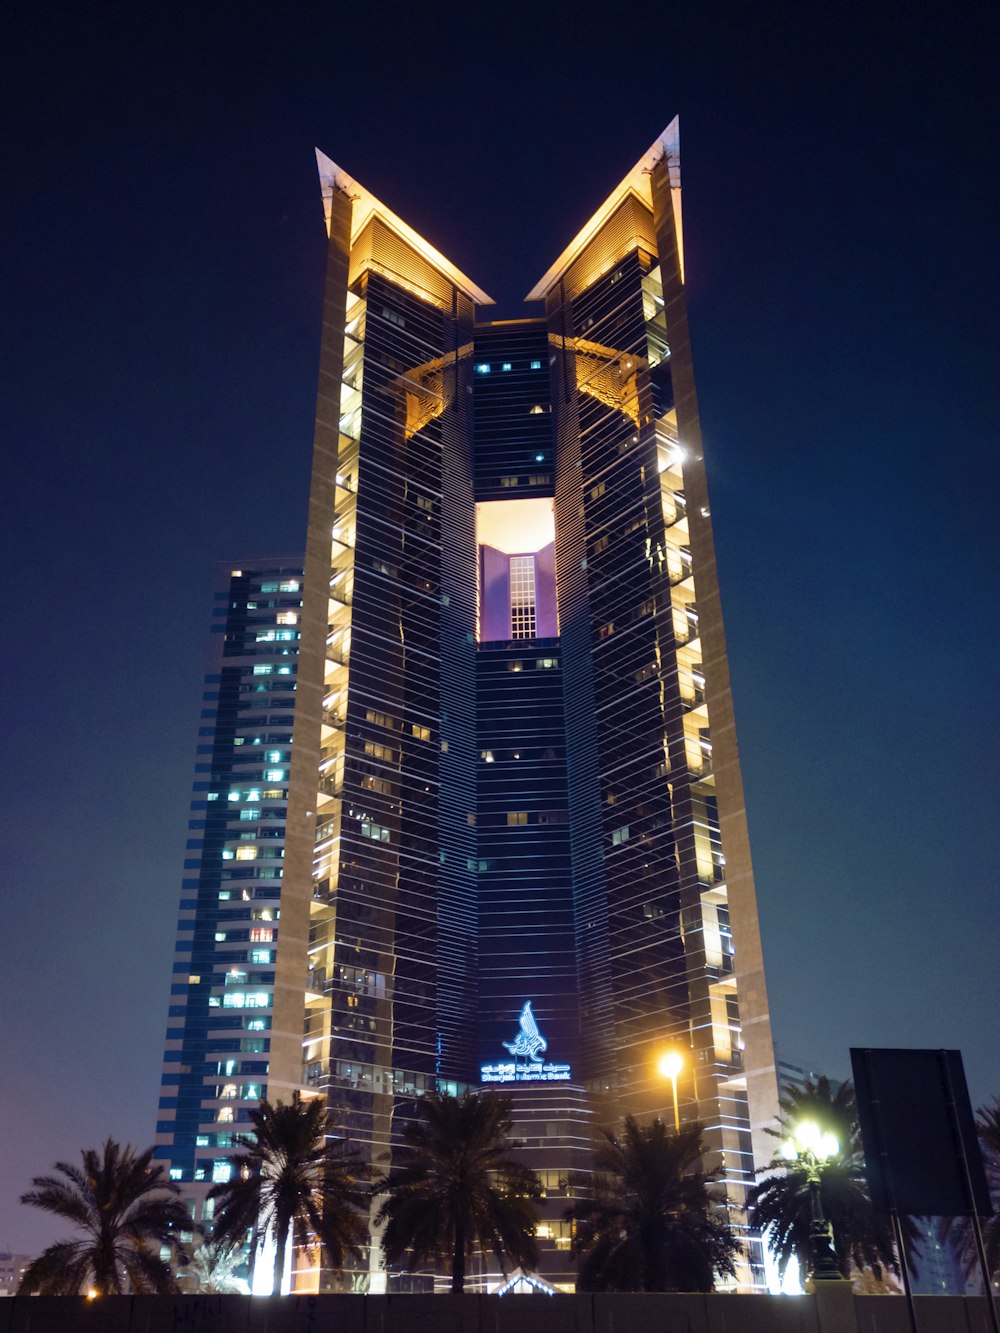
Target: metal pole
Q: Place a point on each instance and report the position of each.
(904, 1267)
(677, 1116)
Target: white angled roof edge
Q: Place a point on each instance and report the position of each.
(636, 182)
(334, 178)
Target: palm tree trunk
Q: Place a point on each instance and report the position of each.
(279, 1258)
(458, 1262)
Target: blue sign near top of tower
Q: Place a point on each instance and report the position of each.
(527, 1049)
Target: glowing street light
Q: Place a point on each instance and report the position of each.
(670, 1065)
(811, 1148)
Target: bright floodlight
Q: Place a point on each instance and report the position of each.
(671, 1064)
(807, 1137)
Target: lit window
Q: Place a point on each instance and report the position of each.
(256, 1024)
(262, 669)
(249, 814)
(284, 671)
(486, 756)
(227, 854)
(229, 1091)
(260, 935)
(226, 1115)
(543, 662)
(274, 794)
(201, 1141)
(285, 635)
(236, 573)
(292, 585)
(260, 955)
(212, 796)
(421, 733)
(265, 636)
(619, 836)
(234, 796)
(222, 1171)
(274, 774)
(540, 409)
(522, 596)
(536, 365)
(483, 368)
(194, 980)
(515, 666)
(287, 618)
(506, 366)
(600, 545)
(246, 853)
(377, 832)
(274, 756)
(508, 481)
(517, 817)
(253, 794)
(176, 1173)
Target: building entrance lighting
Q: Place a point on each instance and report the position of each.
(811, 1148)
(670, 1065)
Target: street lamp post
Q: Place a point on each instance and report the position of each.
(670, 1065)
(812, 1149)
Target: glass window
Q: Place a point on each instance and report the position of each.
(536, 365)
(483, 368)
(522, 596)
(506, 366)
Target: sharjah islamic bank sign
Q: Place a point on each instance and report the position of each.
(527, 1066)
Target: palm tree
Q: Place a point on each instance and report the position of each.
(959, 1229)
(211, 1272)
(780, 1204)
(456, 1190)
(290, 1174)
(127, 1212)
(651, 1223)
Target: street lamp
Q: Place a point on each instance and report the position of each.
(670, 1065)
(811, 1148)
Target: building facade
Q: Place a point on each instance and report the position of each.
(515, 851)
(216, 1065)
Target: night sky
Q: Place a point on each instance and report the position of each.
(163, 262)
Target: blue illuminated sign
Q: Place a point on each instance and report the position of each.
(527, 1049)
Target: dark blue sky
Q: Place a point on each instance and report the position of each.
(163, 261)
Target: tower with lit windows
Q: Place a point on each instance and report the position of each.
(218, 1061)
(516, 850)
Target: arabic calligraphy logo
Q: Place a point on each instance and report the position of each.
(529, 1042)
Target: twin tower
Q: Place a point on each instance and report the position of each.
(515, 844)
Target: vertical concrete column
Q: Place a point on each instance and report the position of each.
(759, 1060)
(291, 964)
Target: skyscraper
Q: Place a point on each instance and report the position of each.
(222, 991)
(516, 851)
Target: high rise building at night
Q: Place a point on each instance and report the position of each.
(516, 851)
(222, 991)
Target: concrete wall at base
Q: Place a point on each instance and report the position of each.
(834, 1311)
